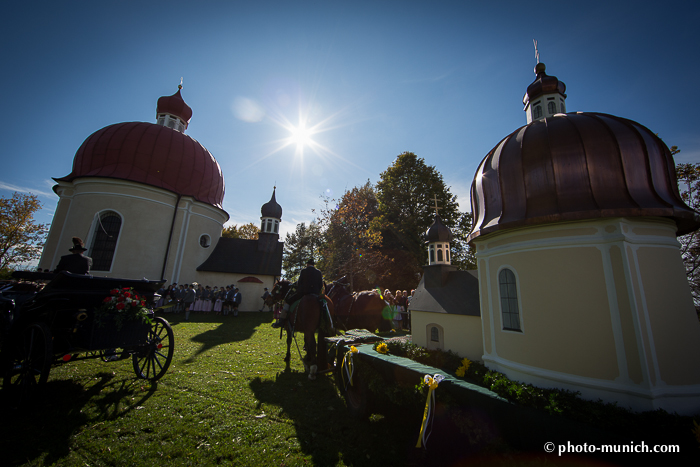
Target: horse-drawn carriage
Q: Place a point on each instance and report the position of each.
(58, 323)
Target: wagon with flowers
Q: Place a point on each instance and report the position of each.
(76, 317)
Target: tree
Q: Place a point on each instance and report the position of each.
(247, 231)
(299, 247)
(406, 195)
(462, 254)
(689, 186)
(21, 239)
(351, 248)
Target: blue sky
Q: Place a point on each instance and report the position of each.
(444, 80)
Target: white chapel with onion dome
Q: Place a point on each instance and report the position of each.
(147, 201)
(580, 283)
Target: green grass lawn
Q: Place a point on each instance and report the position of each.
(229, 399)
(226, 399)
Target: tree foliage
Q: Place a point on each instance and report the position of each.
(689, 186)
(21, 238)
(351, 247)
(299, 246)
(247, 231)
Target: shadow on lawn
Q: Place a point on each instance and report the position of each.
(230, 329)
(45, 421)
(324, 428)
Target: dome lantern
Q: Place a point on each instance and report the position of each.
(173, 112)
(271, 215)
(438, 238)
(545, 97)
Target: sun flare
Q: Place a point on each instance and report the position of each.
(301, 136)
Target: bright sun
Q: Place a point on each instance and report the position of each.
(301, 136)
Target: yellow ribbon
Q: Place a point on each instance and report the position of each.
(432, 382)
(348, 367)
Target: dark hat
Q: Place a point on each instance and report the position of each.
(310, 262)
(77, 245)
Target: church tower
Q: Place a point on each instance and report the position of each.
(271, 216)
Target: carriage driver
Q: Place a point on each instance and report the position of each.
(310, 282)
(77, 262)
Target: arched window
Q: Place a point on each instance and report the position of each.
(509, 300)
(104, 240)
(552, 108)
(439, 253)
(431, 259)
(434, 334)
(537, 112)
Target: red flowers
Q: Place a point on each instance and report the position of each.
(120, 306)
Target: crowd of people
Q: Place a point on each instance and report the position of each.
(197, 298)
(399, 302)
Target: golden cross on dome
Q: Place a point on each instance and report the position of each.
(180, 85)
(436, 206)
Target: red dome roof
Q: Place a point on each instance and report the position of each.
(574, 167)
(154, 155)
(174, 105)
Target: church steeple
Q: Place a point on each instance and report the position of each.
(545, 97)
(438, 238)
(271, 216)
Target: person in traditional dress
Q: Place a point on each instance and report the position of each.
(76, 262)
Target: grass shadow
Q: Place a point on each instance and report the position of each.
(323, 427)
(40, 429)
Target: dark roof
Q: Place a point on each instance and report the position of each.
(459, 295)
(577, 166)
(241, 256)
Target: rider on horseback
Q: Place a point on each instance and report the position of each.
(310, 282)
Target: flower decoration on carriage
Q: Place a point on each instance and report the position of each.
(382, 348)
(122, 305)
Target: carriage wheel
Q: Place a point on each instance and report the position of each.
(30, 357)
(152, 360)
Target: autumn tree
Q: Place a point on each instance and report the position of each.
(299, 246)
(247, 231)
(351, 247)
(21, 238)
(405, 194)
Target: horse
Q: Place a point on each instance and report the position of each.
(306, 318)
(360, 310)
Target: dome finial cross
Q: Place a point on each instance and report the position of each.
(436, 205)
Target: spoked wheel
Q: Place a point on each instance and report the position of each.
(29, 359)
(152, 360)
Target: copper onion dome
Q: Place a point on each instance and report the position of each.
(271, 208)
(438, 232)
(573, 167)
(154, 155)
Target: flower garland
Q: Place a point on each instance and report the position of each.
(122, 305)
(432, 383)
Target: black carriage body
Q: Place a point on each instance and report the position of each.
(66, 305)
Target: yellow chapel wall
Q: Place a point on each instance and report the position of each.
(459, 333)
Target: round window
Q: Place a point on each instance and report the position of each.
(205, 241)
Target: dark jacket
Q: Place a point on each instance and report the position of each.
(77, 263)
